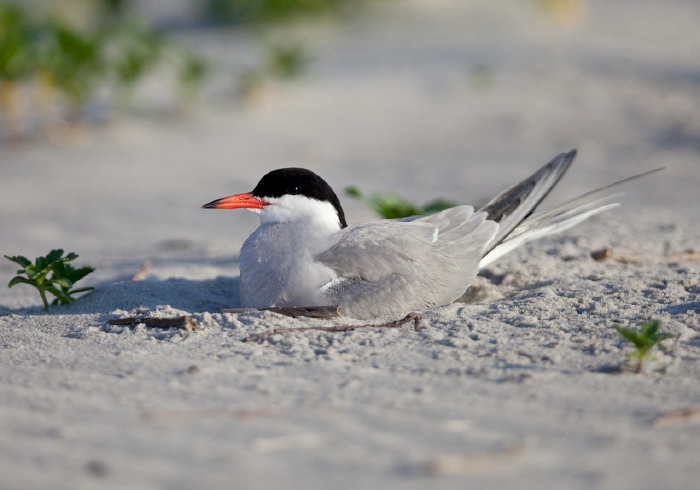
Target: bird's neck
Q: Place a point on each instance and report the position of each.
(317, 217)
(319, 226)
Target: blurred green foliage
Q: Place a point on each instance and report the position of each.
(17, 43)
(394, 206)
(137, 49)
(56, 66)
(246, 12)
(192, 71)
(69, 64)
(281, 61)
(286, 61)
(74, 63)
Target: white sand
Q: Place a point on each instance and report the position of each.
(518, 390)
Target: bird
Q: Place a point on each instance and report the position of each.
(304, 253)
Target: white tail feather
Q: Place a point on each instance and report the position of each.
(549, 227)
(559, 218)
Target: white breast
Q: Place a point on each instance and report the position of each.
(278, 268)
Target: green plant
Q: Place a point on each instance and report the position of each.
(394, 206)
(17, 49)
(251, 12)
(192, 70)
(75, 64)
(63, 276)
(17, 61)
(136, 49)
(643, 340)
(282, 62)
(286, 61)
(114, 8)
(48, 58)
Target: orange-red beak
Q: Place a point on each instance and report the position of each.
(238, 201)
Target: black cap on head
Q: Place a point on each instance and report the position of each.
(298, 181)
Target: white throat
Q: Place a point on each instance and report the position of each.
(321, 215)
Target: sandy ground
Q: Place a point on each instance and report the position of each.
(520, 389)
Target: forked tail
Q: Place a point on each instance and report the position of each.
(513, 208)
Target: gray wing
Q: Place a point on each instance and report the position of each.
(388, 267)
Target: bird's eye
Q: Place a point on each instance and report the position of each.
(293, 190)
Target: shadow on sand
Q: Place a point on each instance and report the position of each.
(209, 295)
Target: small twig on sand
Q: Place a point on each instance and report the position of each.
(294, 311)
(602, 254)
(184, 322)
(141, 274)
(415, 317)
(678, 416)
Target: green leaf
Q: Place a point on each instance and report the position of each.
(650, 328)
(77, 274)
(59, 270)
(631, 336)
(36, 274)
(438, 205)
(40, 263)
(19, 280)
(54, 255)
(71, 256)
(18, 259)
(30, 270)
(392, 206)
(81, 290)
(60, 295)
(64, 282)
(354, 192)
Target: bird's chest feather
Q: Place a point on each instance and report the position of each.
(278, 267)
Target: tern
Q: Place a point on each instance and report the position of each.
(305, 254)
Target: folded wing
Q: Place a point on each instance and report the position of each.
(396, 266)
